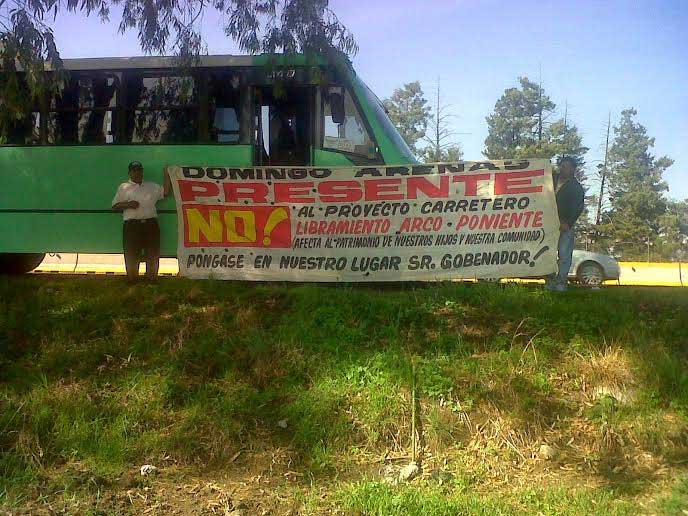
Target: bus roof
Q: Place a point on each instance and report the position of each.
(154, 62)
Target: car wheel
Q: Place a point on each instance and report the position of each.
(590, 274)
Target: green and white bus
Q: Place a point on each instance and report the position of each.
(61, 165)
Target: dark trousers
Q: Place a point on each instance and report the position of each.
(141, 241)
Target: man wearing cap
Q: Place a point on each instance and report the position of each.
(141, 234)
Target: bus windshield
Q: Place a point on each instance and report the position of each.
(384, 121)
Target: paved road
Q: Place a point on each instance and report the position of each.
(632, 273)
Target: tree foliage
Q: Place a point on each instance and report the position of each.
(673, 231)
(636, 187)
(174, 25)
(518, 116)
(409, 112)
(425, 129)
(519, 128)
(433, 154)
(25, 43)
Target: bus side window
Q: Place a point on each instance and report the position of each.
(63, 120)
(84, 110)
(224, 101)
(24, 130)
(162, 109)
(344, 127)
(97, 103)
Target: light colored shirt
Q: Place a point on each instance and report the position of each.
(147, 194)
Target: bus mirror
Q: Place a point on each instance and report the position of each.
(337, 108)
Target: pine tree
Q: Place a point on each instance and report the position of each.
(673, 231)
(636, 187)
(409, 112)
(518, 128)
(416, 121)
(517, 121)
(430, 154)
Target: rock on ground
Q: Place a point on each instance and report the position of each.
(409, 472)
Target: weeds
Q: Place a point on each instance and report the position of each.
(306, 387)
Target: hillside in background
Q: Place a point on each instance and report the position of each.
(296, 399)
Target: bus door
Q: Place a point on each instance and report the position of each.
(283, 128)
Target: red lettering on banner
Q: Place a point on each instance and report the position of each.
(472, 182)
(517, 182)
(340, 191)
(293, 192)
(256, 192)
(500, 221)
(382, 190)
(349, 191)
(537, 220)
(193, 190)
(416, 224)
(423, 184)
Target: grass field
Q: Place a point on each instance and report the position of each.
(296, 399)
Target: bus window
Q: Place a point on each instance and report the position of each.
(346, 131)
(83, 110)
(98, 100)
(63, 120)
(25, 131)
(282, 126)
(161, 109)
(224, 101)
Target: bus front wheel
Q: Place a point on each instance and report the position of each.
(19, 263)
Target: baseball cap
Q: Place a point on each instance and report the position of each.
(135, 164)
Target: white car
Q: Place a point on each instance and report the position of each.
(591, 269)
(587, 268)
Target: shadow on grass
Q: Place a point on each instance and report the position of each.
(94, 369)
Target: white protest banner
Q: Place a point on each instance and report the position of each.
(485, 219)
